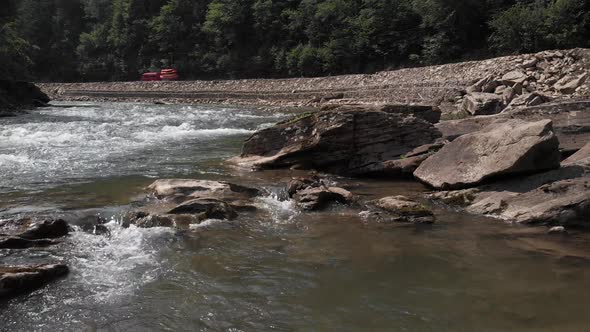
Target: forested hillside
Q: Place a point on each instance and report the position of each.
(90, 40)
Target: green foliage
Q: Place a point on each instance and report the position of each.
(71, 40)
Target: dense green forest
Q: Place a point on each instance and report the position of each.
(88, 40)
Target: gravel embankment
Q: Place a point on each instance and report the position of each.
(438, 85)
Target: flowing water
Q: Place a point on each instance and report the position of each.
(278, 270)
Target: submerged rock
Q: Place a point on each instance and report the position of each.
(16, 280)
(401, 209)
(344, 140)
(506, 148)
(20, 243)
(181, 221)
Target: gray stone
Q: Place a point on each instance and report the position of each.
(500, 149)
(569, 84)
(481, 103)
(571, 121)
(514, 77)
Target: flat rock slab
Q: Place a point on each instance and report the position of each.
(500, 149)
(186, 189)
(571, 121)
(401, 209)
(558, 197)
(16, 280)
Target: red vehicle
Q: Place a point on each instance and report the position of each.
(162, 75)
(169, 75)
(150, 77)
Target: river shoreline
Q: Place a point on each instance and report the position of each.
(152, 186)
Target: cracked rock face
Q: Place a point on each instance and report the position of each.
(500, 149)
(344, 140)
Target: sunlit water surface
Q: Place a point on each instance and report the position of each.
(277, 270)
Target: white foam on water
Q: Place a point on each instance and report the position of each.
(186, 130)
(109, 267)
(281, 211)
(58, 145)
(206, 223)
(11, 159)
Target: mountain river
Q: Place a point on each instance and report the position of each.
(278, 270)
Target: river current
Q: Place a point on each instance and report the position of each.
(280, 270)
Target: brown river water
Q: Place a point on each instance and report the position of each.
(277, 270)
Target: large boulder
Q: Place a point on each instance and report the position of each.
(505, 148)
(558, 197)
(16, 280)
(343, 140)
(482, 103)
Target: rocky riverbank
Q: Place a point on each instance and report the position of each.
(504, 166)
(481, 87)
(17, 96)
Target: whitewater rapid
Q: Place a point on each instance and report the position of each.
(58, 145)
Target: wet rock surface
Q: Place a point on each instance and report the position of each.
(27, 233)
(191, 201)
(314, 193)
(15, 280)
(400, 209)
(500, 149)
(348, 140)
